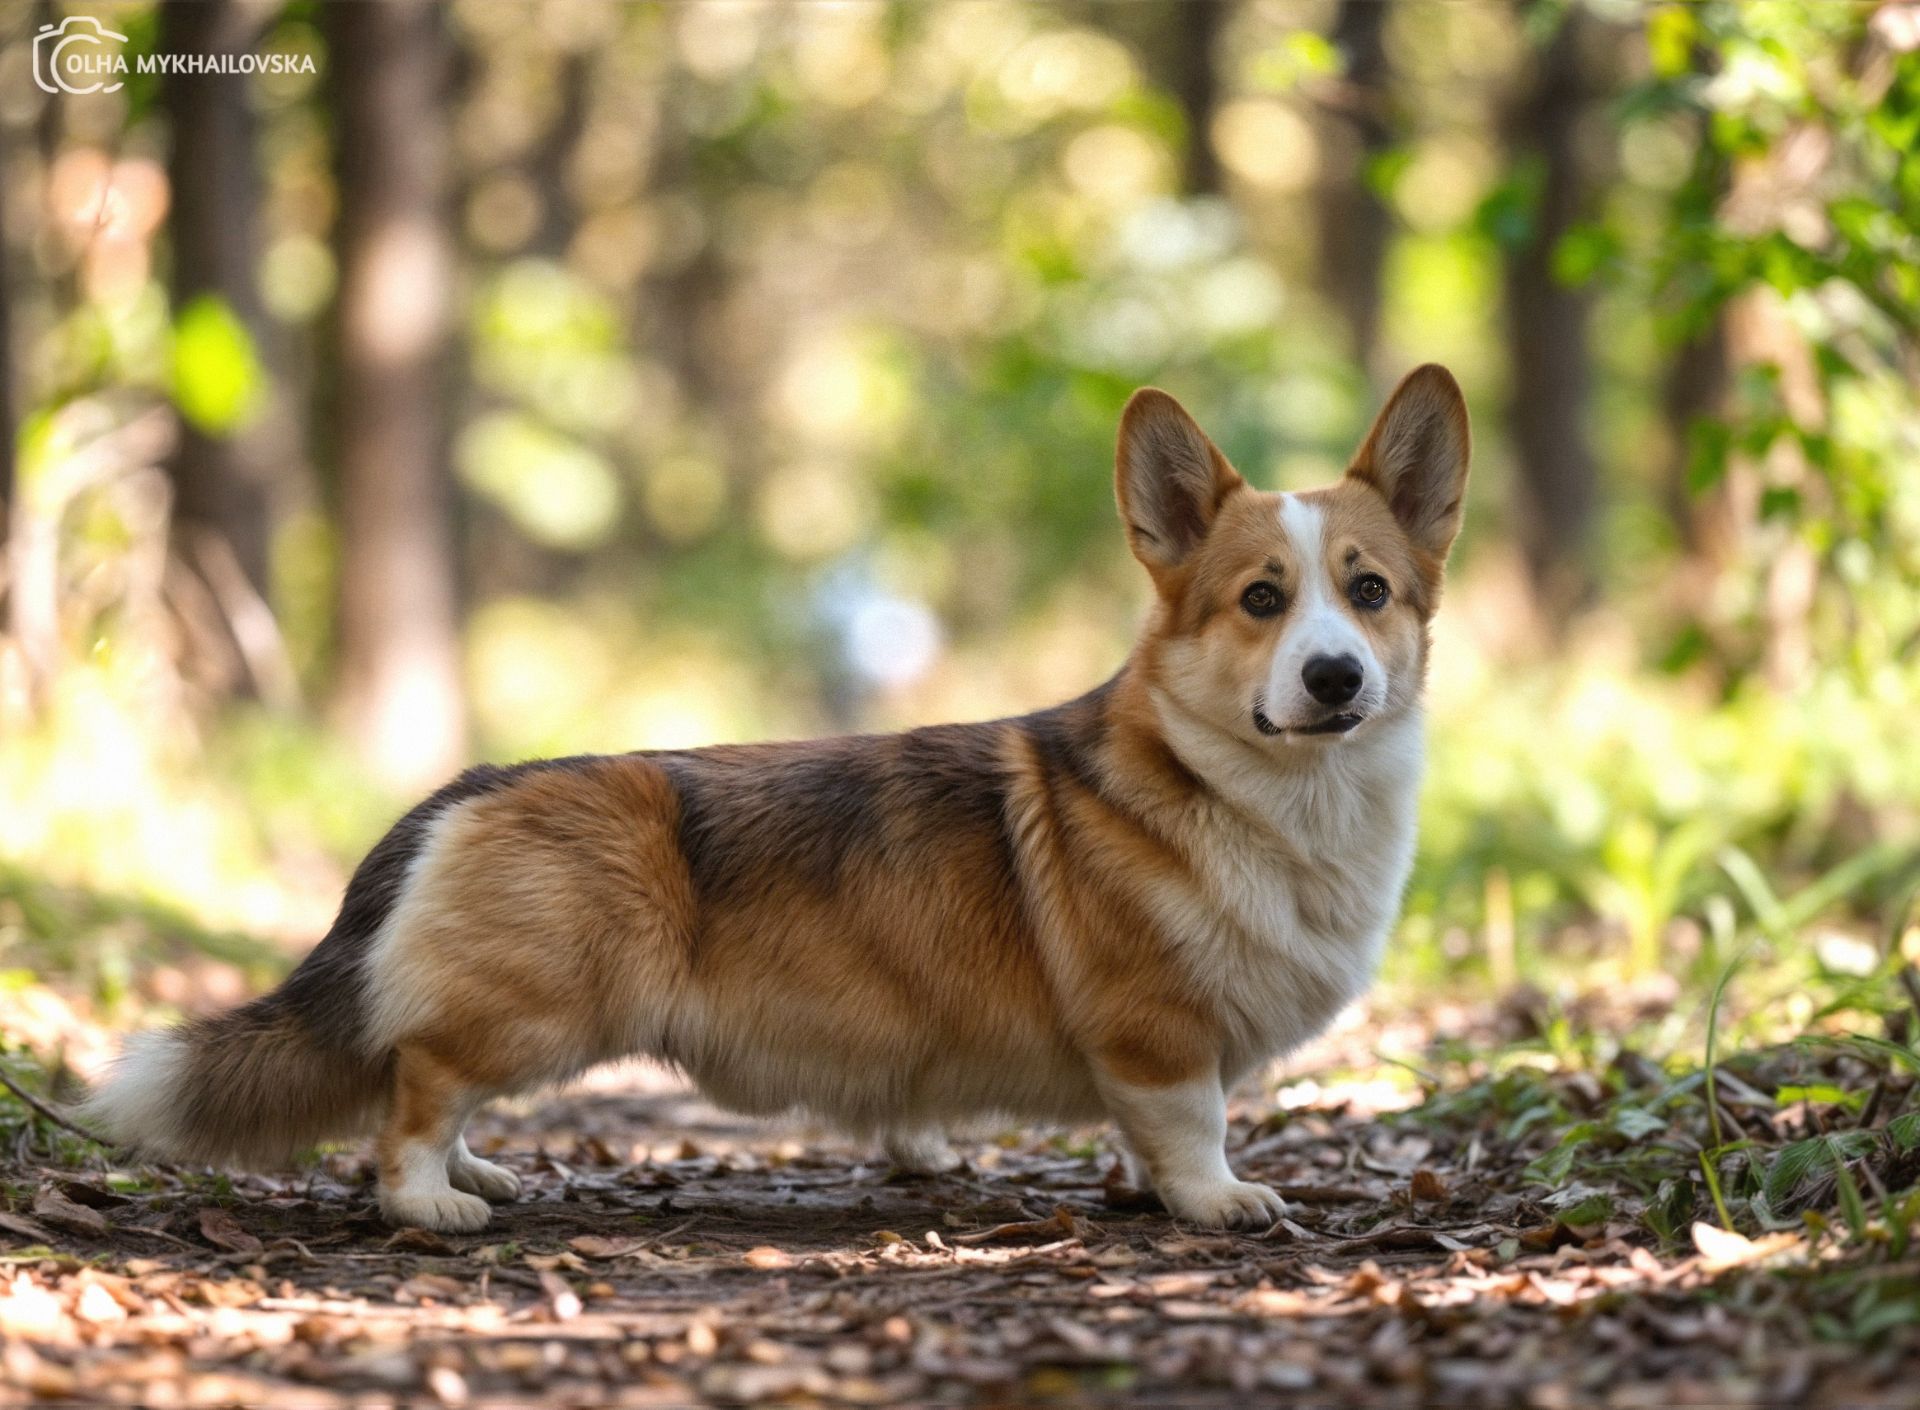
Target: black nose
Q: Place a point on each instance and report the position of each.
(1332, 680)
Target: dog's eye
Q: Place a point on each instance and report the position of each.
(1370, 590)
(1261, 600)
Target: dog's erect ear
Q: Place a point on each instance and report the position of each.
(1416, 457)
(1170, 479)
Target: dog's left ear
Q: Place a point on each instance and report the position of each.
(1169, 478)
(1416, 457)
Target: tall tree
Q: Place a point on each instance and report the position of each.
(222, 471)
(1551, 365)
(1194, 77)
(399, 651)
(215, 197)
(1355, 224)
(7, 472)
(1693, 384)
(18, 622)
(553, 157)
(32, 605)
(1176, 41)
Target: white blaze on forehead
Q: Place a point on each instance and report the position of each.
(1317, 623)
(1306, 530)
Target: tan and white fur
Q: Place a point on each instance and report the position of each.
(1113, 908)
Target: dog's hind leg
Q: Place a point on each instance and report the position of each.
(921, 1150)
(420, 1142)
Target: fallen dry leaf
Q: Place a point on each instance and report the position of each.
(561, 1298)
(56, 1209)
(548, 1262)
(599, 1246)
(1428, 1187)
(419, 1241)
(222, 1230)
(1721, 1249)
(1062, 1224)
(98, 1306)
(93, 1196)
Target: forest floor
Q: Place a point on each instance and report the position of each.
(1526, 1236)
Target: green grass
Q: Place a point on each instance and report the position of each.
(97, 944)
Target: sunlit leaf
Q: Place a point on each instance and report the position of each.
(1821, 1092)
(1671, 33)
(558, 491)
(217, 378)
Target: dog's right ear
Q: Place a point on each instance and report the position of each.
(1170, 480)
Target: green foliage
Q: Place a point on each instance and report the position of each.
(1805, 196)
(1825, 1154)
(217, 378)
(98, 944)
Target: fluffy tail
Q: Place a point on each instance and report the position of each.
(249, 1088)
(255, 1086)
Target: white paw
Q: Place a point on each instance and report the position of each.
(923, 1154)
(483, 1178)
(448, 1211)
(1231, 1204)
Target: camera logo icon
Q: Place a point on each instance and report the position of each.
(73, 57)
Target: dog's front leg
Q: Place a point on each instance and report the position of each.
(1180, 1130)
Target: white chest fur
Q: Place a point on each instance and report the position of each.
(1298, 877)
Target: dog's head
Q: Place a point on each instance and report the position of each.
(1289, 619)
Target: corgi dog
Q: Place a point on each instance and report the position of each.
(1113, 908)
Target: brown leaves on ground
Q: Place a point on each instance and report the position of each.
(223, 1231)
(666, 1254)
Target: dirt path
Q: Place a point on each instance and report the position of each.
(666, 1253)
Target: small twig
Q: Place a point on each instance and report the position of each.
(1872, 1108)
(48, 1112)
(1911, 984)
(160, 1234)
(1744, 1092)
(1718, 1111)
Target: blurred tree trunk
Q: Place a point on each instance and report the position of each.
(1175, 41)
(1692, 388)
(683, 310)
(553, 159)
(1195, 81)
(1547, 320)
(1694, 383)
(222, 479)
(1355, 224)
(7, 471)
(18, 621)
(399, 648)
(33, 609)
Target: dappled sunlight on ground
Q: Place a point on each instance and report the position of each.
(666, 1251)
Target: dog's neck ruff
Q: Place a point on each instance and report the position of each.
(1302, 789)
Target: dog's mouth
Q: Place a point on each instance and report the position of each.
(1332, 724)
